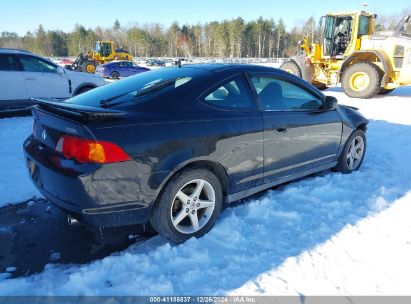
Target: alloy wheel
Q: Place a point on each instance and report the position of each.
(193, 206)
(355, 153)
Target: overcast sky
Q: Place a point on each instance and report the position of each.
(25, 15)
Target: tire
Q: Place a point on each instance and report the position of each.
(361, 80)
(89, 66)
(344, 161)
(174, 218)
(115, 75)
(292, 68)
(319, 85)
(83, 90)
(385, 91)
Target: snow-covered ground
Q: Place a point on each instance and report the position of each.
(15, 185)
(330, 234)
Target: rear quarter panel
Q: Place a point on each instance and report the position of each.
(161, 147)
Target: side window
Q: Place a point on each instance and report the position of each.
(364, 26)
(232, 95)
(34, 64)
(280, 95)
(8, 63)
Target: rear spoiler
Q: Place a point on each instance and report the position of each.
(75, 110)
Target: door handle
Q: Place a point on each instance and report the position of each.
(31, 78)
(281, 130)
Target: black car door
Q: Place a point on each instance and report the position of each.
(298, 134)
(239, 125)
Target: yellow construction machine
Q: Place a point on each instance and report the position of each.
(350, 53)
(104, 51)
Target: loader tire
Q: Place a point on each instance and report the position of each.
(292, 68)
(89, 66)
(361, 80)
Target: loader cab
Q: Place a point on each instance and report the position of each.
(337, 35)
(103, 48)
(342, 32)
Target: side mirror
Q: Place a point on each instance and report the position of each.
(330, 103)
(60, 70)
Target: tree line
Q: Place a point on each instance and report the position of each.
(260, 38)
(228, 38)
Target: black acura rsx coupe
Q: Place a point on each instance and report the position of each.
(168, 147)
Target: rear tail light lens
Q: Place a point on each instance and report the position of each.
(90, 151)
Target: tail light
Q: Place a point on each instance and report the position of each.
(90, 151)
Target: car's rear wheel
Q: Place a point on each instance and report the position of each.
(188, 206)
(115, 75)
(84, 89)
(353, 154)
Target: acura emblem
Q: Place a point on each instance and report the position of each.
(44, 135)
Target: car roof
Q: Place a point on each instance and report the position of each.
(223, 68)
(116, 61)
(13, 51)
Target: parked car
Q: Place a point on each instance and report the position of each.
(119, 69)
(65, 61)
(24, 75)
(171, 145)
(155, 62)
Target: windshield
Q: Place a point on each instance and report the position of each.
(137, 87)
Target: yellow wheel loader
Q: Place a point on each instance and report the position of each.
(104, 51)
(350, 53)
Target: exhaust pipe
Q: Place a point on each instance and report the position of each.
(72, 221)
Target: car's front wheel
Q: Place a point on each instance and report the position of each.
(188, 206)
(353, 154)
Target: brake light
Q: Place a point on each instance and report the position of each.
(90, 151)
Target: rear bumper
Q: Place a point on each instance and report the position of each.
(100, 195)
(113, 216)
